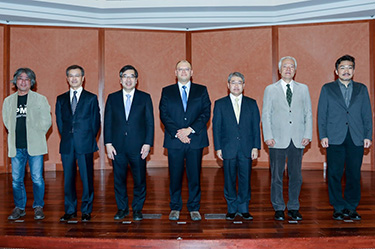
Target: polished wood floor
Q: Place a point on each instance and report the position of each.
(316, 230)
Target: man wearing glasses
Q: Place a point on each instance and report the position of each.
(237, 140)
(287, 129)
(27, 117)
(345, 130)
(78, 121)
(185, 109)
(128, 137)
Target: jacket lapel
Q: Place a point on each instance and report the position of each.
(355, 92)
(336, 90)
(230, 110)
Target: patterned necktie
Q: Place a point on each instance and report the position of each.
(127, 106)
(237, 109)
(184, 97)
(289, 94)
(74, 102)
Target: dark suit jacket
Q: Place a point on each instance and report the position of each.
(196, 116)
(228, 134)
(129, 135)
(334, 117)
(78, 131)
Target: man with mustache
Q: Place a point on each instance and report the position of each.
(345, 129)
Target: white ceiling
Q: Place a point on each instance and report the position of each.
(181, 15)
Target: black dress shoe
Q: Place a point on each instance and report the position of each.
(351, 214)
(246, 216)
(86, 217)
(230, 216)
(338, 215)
(121, 213)
(294, 214)
(137, 215)
(279, 215)
(67, 217)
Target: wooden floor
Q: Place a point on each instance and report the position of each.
(316, 230)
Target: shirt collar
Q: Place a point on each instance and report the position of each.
(188, 85)
(131, 93)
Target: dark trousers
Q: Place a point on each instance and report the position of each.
(120, 170)
(176, 161)
(85, 165)
(278, 158)
(241, 166)
(346, 156)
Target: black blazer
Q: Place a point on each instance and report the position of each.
(334, 117)
(129, 135)
(78, 131)
(174, 118)
(228, 134)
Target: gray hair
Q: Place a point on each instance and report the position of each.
(236, 74)
(288, 57)
(30, 74)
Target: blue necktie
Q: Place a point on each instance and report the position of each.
(184, 97)
(74, 102)
(127, 106)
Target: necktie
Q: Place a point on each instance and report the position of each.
(127, 106)
(74, 102)
(184, 97)
(237, 109)
(289, 94)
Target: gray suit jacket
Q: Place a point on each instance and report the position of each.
(334, 118)
(283, 123)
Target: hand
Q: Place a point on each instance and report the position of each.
(367, 143)
(324, 142)
(145, 150)
(111, 151)
(270, 142)
(219, 154)
(305, 141)
(183, 134)
(254, 153)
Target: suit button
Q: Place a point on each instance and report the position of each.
(185, 119)
(126, 133)
(290, 111)
(238, 138)
(346, 123)
(347, 112)
(290, 122)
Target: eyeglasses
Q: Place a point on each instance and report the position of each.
(183, 69)
(346, 67)
(124, 77)
(236, 82)
(73, 76)
(23, 79)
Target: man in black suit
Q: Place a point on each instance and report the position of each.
(185, 109)
(128, 136)
(78, 121)
(345, 129)
(237, 140)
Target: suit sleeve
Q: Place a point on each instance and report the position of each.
(201, 121)
(45, 115)
(256, 126)
(322, 113)
(58, 116)
(169, 124)
(307, 115)
(149, 122)
(266, 115)
(108, 121)
(95, 110)
(6, 113)
(367, 115)
(217, 126)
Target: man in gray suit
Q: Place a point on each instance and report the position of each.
(345, 129)
(287, 129)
